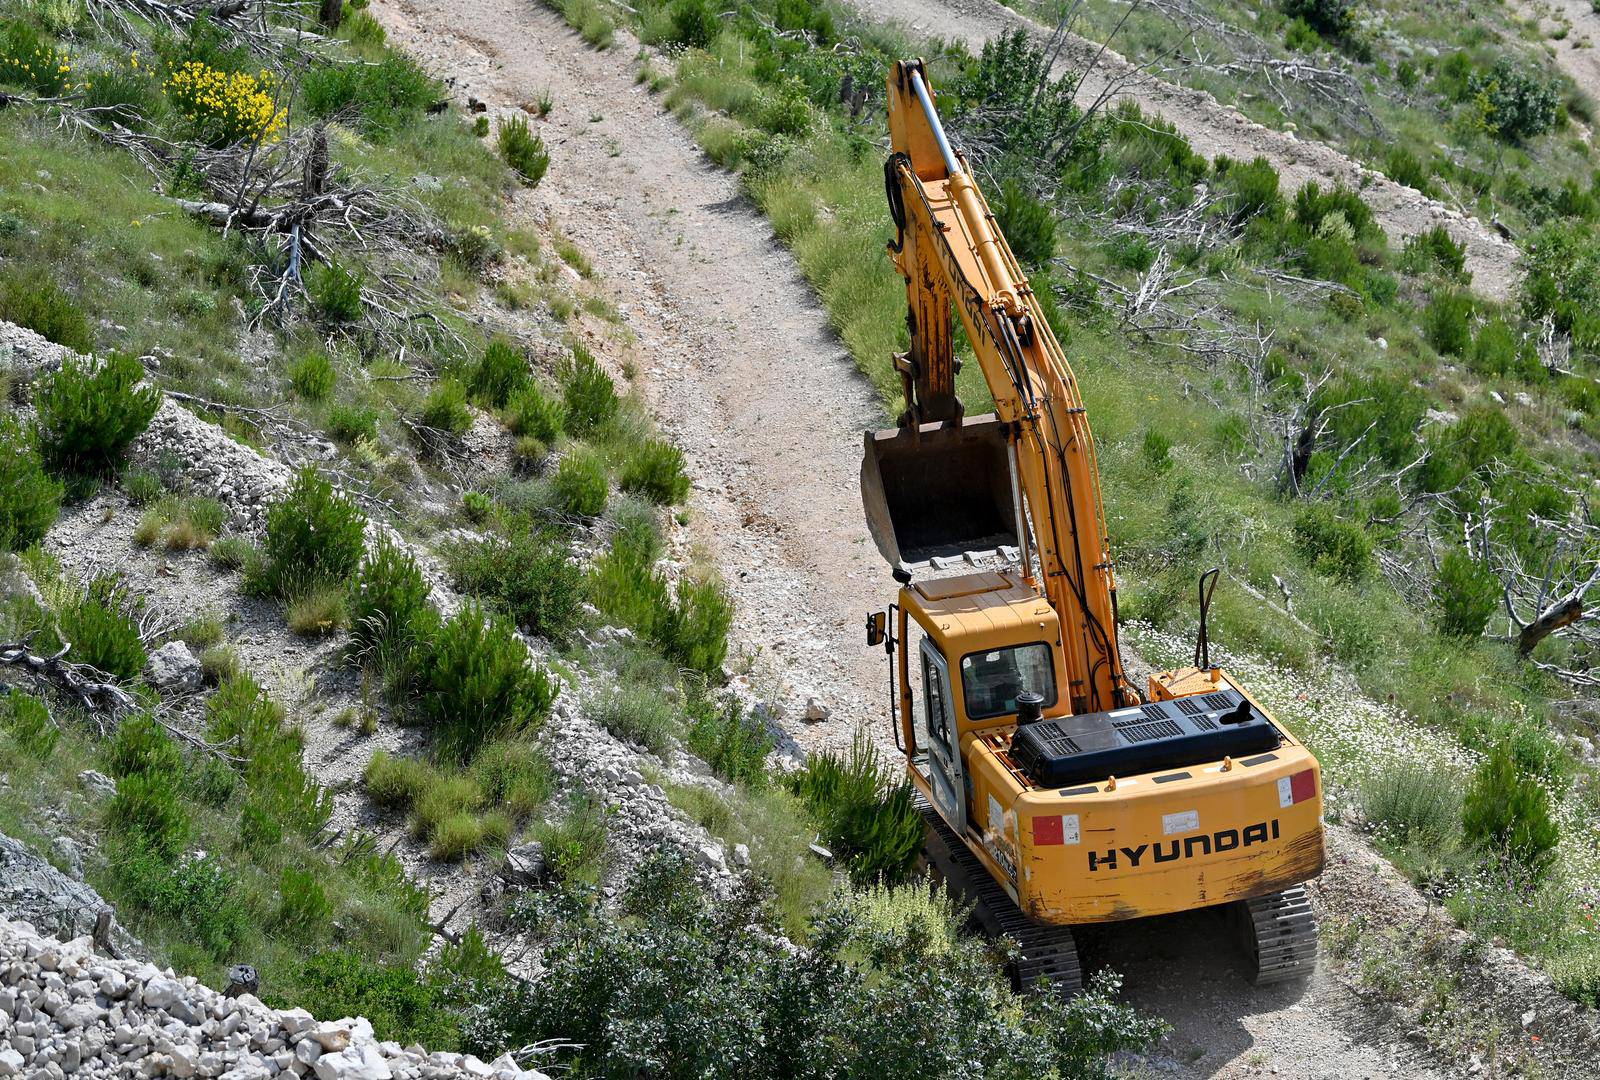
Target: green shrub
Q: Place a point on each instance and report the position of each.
(1447, 323)
(389, 598)
(654, 468)
(1331, 17)
(1467, 593)
(446, 408)
(1253, 187)
(314, 536)
(335, 292)
(30, 59)
(1495, 349)
(1408, 802)
(522, 150)
(586, 389)
(30, 297)
(268, 752)
(1522, 104)
(1301, 36)
(1156, 449)
(396, 783)
(142, 487)
(694, 631)
(694, 24)
(729, 739)
(478, 684)
(1029, 225)
(1435, 250)
(500, 374)
(580, 483)
(401, 1004)
(1562, 280)
(514, 776)
(625, 586)
(89, 413)
(100, 626)
(317, 611)
(530, 573)
(1507, 813)
(141, 745)
(865, 815)
(352, 423)
(304, 910)
(26, 719)
(1404, 167)
(537, 414)
(312, 376)
(147, 811)
(1577, 972)
(1341, 549)
(383, 96)
(640, 715)
(30, 498)
(197, 895)
(575, 845)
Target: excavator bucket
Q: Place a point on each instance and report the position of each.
(943, 490)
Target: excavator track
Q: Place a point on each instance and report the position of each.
(1280, 936)
(1047, 954)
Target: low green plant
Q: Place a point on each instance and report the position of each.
(640, 715)
(147, 811)
(1507, 813)
(30, 498)
(1156, 449)
(27, 720)
(383, 96)
(654, 468)
(141, 745)
(182, 523)
(1466, 594)
(587, 391)
(1447, 323)
(313, 376)
(400, 1003)
(445, 408)
(533, 412)
(522, 150)
(267, 753)
(318, 611)
(142, 487)
(1336, 547)
(349, 424)
(580, 483)
(576, 844)
(388, 599)
(514, 776)
(89, 412)
(499, 374)
(694, 23)
(479, 684)
(864, 814)
(1435, 250)
(1412, 802)
(335, 291)
(396, 783)
(30, 297)
(529, 572)
(196, 892)
(101, 627)
(314, 536)
(304, 910)
(728, 738)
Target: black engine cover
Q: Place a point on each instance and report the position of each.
(1144, 738)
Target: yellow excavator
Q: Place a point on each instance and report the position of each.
(1056, 792)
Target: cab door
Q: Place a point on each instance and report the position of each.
(944, 741)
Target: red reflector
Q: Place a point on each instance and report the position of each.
(1047, 830)
(1304, 785)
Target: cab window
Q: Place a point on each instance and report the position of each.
(938, 711)
(991, 680)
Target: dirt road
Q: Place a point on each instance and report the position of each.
(1213, 128)
(737, 359)
(1575, 53)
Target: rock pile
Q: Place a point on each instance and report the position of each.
(66, 1012)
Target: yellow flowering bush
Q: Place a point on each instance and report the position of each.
(231, 106)
(29, 61)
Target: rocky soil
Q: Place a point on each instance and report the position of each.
(66, 1010)
(1213, 128)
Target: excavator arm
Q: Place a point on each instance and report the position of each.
(951, 253)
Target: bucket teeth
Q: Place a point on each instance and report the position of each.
(1046, 954)
(1280, 932)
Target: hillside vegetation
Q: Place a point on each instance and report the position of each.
(1394, 473)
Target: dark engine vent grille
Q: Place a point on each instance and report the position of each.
(1161, 729)
(1152, 738)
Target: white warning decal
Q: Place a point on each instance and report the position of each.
(1069, 829)
(1186, 821)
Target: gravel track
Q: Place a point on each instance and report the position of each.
(1213, 128)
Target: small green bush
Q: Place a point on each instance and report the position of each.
(865, 815)
(396, 783)
(100, 626)
(241, 715)
(654, 468)
(89, 413)
(580, 483)
(1447, 323)
(382, 95)
(499, 375)
(304, 910)
(351, 423)
(30, 498)
(335, 292)
(141, 745)
(26, 719)
(388, 599)
(575, 845)
(590, 397)
(1331, 17)
(147, 810)
(522, 150)
(694, 24)
(1253, 187)
(694, 631)
(314, 536)
(1156, 449)
(1341, 549)
(30, 297)
(1495, 349)
(730, 740)
(479, 683)
(446, 408)
(1410, 802)
(640, 715)
(1029, 225)
(197, 894)
(514, 776)
(530, 573)
(312, 376)
(317, 611)
(1522, 103)
(535, 413)
(1467, 593)
(142, 487)
(400, 1003)
(1507, 813)
(1435, 250)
